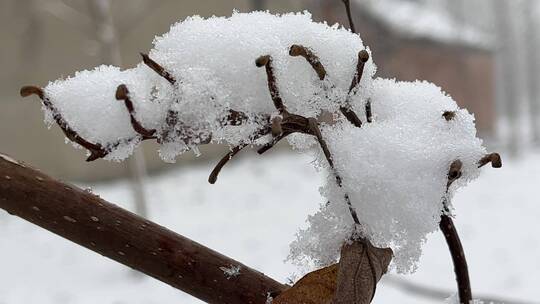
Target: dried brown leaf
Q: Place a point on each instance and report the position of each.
(316, 287)
(352, 280)
(360, 268)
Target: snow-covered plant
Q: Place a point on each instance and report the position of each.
(384, 146)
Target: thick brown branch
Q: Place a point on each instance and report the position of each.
(312, 59)
(102, 227)
(96, 150)
(122, 93)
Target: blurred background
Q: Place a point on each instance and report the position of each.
(484, 53)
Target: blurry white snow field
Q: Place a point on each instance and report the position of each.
(252, 214)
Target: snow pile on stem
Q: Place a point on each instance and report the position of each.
(213, 64)
(210, 90)
(394, 171)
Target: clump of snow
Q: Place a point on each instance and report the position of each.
(213, 63)
(394, 171)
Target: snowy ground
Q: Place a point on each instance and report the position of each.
(252, 214)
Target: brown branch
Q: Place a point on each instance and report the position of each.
(266, 61)
(493, 158)
(111, 231)
(317, 132)
(122, 93)
(449, 115)
(349, 15)
(363, 57)
(96, 150)
(158, 68)
(300, 50)
(369, 115)
(223, 161)
(453, 241)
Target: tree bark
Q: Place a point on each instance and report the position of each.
(109, 230)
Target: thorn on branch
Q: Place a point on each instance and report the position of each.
(493, 158)
(96, 150)
(122, 93)
(158, 68)
(312, 59)
(266, 61)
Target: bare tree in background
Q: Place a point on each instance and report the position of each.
(532, 40)
(258, 5)
(507, 70)
(30, 33)
(107, 35)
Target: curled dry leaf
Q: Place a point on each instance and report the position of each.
(360, 268)
(316, 287)
(352, 280)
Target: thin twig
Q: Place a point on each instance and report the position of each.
(223, 161)
(493, 158)
(453, 241)
(300, 50)
(266, 61)
(369, 115)
(317, 132)
(96, 150)
(158, 68)
(349, 15)
(363, 57)
(122, 93)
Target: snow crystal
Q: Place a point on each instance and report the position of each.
(231, 271)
